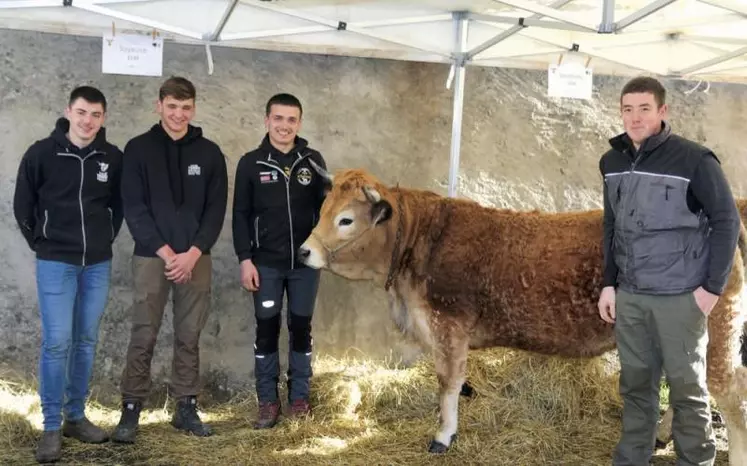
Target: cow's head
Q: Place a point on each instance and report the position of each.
(354, 237)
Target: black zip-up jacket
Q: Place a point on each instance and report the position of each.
(174, 192)
(67, 200)
(670, 220)
(273, 211)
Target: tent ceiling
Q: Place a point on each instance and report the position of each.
(696, 39)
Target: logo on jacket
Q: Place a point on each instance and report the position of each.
(102, 175)
(268, 177)
(304, 176)
(193, 170)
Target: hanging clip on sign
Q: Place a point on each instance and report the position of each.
(571, 79)
(132, 54)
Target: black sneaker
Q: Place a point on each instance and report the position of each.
(126, 430)
(185, 418)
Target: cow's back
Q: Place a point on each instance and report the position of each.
(527, 280)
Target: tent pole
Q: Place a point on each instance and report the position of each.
(608, 17)
(458, 67)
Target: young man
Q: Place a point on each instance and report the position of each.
(277, 197)
(68, 206)
(175, 192)
(670, 233)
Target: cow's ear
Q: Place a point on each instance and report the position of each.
(327, 178)
(381, 210)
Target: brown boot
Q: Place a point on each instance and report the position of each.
(300, 408)
(49, 448)
(84, 430)
(269, 411)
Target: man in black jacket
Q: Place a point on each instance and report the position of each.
(174, 190)
(277, 198)
(67, 204)
(670, 235)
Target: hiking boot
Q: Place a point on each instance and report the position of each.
(126, 430)
(84, 430)
(300, 408)
(49, 448)
(269, 412)
(185, 418)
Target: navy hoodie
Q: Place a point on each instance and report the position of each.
(67, 200)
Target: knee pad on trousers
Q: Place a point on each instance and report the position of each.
(268, 331)
(299, 330)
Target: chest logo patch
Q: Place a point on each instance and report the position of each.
(193, 170)
(304, 176)
(103, 175)
(268, 177)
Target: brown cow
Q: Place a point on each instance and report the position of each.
(461, 276)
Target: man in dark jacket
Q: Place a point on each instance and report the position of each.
(277, 198)
(174, 189)
(67, 204)
(670, 235)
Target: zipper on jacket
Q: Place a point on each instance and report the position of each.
(80, 195)
(629, 255)
(256, 231)
(46, 220)
(288, 199)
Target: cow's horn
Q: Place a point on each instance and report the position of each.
(328, 178)
(372, 195)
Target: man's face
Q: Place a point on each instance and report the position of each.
(85, 119)
(283, 124)
(176, 114)
(642, 116)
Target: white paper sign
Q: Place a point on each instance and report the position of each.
(569, 80)
(132, 54)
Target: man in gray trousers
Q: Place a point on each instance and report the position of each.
(670, 233)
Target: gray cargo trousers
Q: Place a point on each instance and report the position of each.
(669, 333)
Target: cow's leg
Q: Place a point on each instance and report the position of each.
(664, 433)
(451, 364)
(734, 412)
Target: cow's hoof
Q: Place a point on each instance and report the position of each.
(467, 390)
(660, 444)
(438, 447)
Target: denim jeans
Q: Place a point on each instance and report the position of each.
(72, 299)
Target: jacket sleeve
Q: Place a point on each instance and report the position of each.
(711, 189)
(243, 210)
(214, 214)
(610, 269)
(25, 197)
(136, 213)
(115, 202)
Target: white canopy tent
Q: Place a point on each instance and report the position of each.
(691, 39)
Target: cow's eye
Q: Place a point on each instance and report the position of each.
(345, 222)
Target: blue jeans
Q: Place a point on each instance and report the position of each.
(72, 299)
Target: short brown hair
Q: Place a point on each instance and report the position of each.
(178, 88)
(643, 84)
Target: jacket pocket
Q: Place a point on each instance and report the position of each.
(46, 221)
(256, 231)
(111, 222)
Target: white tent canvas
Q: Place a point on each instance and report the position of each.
(690, 39)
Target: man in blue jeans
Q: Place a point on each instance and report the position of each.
(277, 198)
(68, 207)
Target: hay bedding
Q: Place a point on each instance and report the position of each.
(528, 410)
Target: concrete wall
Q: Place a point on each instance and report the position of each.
(520, 150)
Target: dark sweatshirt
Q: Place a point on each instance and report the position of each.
(174, 192)
(67, 200)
